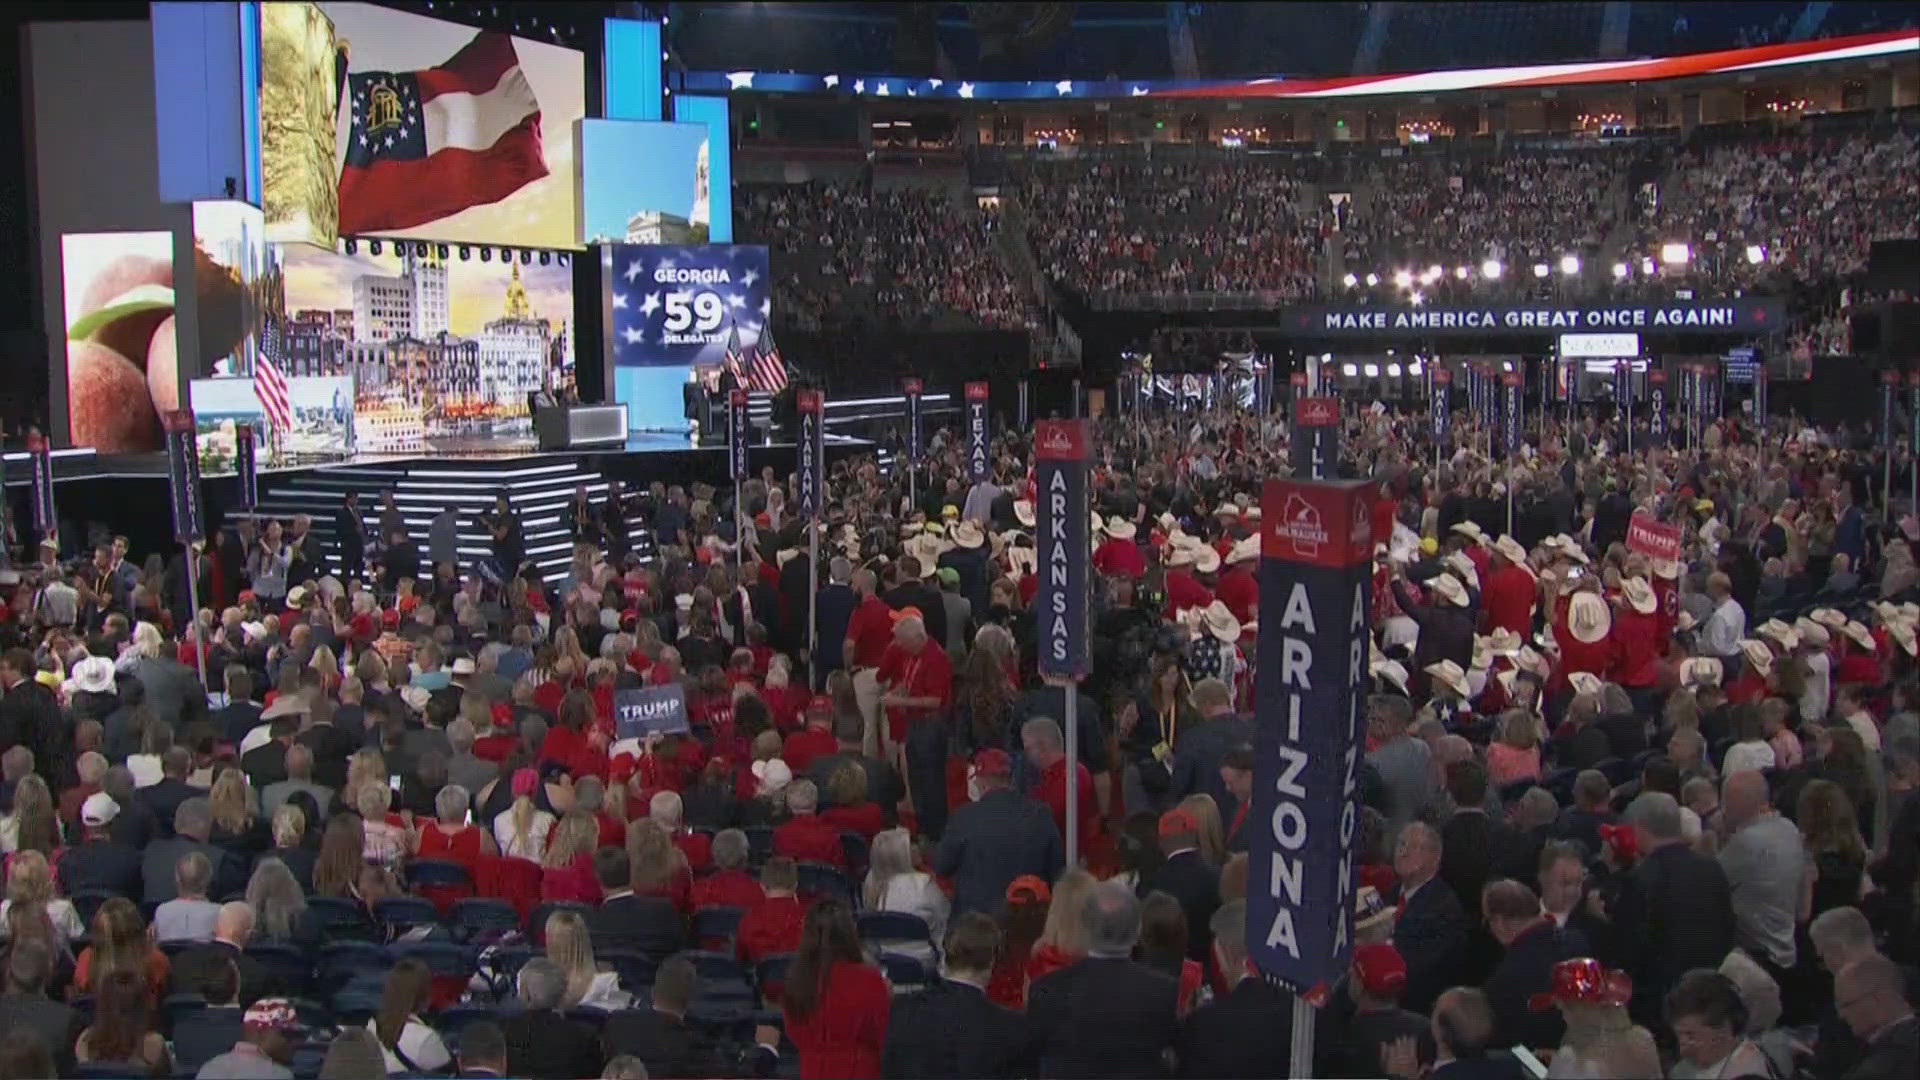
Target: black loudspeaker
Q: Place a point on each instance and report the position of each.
(1864, 330)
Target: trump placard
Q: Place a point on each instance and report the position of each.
(649, 710)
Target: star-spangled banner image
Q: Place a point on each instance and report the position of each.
(675, 305)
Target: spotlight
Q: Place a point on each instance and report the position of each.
(1675, 254)
(421, 249)
(443, 252)
(486, 254)
(1372, 370)
(1619, 270)
(1646, 267)
(1569, 265)
(1756, 254)
(546, 258)
(1403, 279)
(373, 246)
(1372, 280)
(465, 253)
(1417, 299)
(1491, 269)
(1435, 271)
(1349, 370)
(526, 257)
(1350, 281)
(1507, 366)
(1463, 272)
(563, 258)
(1393, 371)
(1414, 368)
(1540, 270)
(352, 245)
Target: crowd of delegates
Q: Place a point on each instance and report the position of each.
(903, 254)
(1228, 225)
(1639, 816)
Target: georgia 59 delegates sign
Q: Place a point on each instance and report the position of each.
(671, 305)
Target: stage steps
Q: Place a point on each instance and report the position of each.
(539, 489)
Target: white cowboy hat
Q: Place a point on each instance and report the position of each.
(1463, 569)
(1588, 618)
(1227, 510)
(1206, 560)
(1666, 568)
(1448, 673)
(1571, 549)
(1503, 642)
(1470, 530)
(94, 675)
(1639, 595)
(1244, 550)
(1780, 633)
(1547, 642)
(1887, 611)
(1859, 633)
(1759, 654)
(1181, 555)
(296, 596)
(1585, 682)
(1119, 528)
(1702, 671)
(773, 774)
(1253, 512)
(1811, 633)
(1167, 522)
(1023, 512)
(1905, 636)
(1021, 561)
(1482, 657)
(1448, 588)
(1220, 622)
(1828, 617)
(1179, 538)
(1510, 550)
(416, 698)
(967, 534)
(1393, 671)
(1528, 660)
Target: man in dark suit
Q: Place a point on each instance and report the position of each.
(1199, 749)
(1186, 877)
(351, 533)
(1532, 947)
(1104, 1015)
(884, 788)
(669, 1046)
(647, 924)
(26, 1007)
(951, 1028)
(99, 861)
(165, 798)
(1674, 913)
(1473, 843)
(232, 928)
(240, 714)
(1244, 1033)
(30, 717)
(1463, 1037)
(542, 1044)
(1431, 931)
(267, 763)
(192, 823)
(833, 611)
(996, 838)
(1590, 810)
(1871, 996)
(483, 1051)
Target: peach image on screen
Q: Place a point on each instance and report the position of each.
(119, 302)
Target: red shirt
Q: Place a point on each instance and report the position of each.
(1637, 657)
(573, 883)
(809, 838)
(613, 831)
(1121, 558)
(771, 926)
(1750, 686)
(926, 673)
(697, 847)
(1184, 592)
(1507, 595)
(1053, 792)
(1239, 590)
(547, 696)
(495, 748)
(1857, 667)
(871, 629)
(1576, 655)
(843, 1037)
(727, 888)
(806, 744)
(865, 818)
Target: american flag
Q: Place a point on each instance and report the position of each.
(731, 361)
(769, 372)
(270, 386)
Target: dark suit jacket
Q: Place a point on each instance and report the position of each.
(1431, 935)
(158, 862)
(671, 1048)
(234, 720)
(990, 842)
(265, 764)
(1674, 914)
(548, 1046)
(1891, 1054)
(833, 610)
(55, 1021)
(204, 1034)
(30, 717)
(165, 797)
(1526, 969)
(1102, 1017)
(101, 864)
(951, 1029)
(1584, 826)
(1187, 878)
(1247, 1033)
(1197, 753)
(256, 981)
(1583, 749)
(1472, 844)
(647, 924)
(1498, 1065)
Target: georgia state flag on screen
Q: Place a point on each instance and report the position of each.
(421, 145)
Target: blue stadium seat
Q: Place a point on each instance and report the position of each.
(878, 928)
(440, 957)
(716, 923)
(482, 915)
(819, 879)
(342, 919)
(398, 913)
(907, 974)
(438, 872)
(636, 969)
(720, 972)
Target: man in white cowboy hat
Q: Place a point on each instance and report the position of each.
(968, 558)
(1119, 553)
(1238, 589)
(1183, 586)
(1817, 699)
(1637, 640)
(1469, 539)
(1582, 632)
(1447, 622)
(1507, 588)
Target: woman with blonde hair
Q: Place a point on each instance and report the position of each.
(570, 947)
(1515, 754)
(894, 884)
(337, 871)
(33, 825)
(407, 1043)
(522, 828)
(365, 768)
(383, 843)
(231, 804)
(567, 866)
(31, 894)
(1213, 835)
(657, 866)
(1064, 938)
(328, 666)
(1831, 833)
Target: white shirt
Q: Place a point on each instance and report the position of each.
(420, 1043)
(1720, 635)
(256, 737)
(1755, 755)
(1814, 700)
(511, 846)
(917, 894)
(1862, 722)
(59, 912)
(145, 769)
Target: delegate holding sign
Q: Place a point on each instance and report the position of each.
(642, 712)
(1060, 456)
(1315, 579)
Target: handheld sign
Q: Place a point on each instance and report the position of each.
(183, 474)
(245, 464)
(46, 524)
(739, 430)
(651, 709)
(1315, 446)
(913, 389)
(1060, 456)
(1510, 391)
(1437, 401)
(1654, 539)
(1657, 403)
(812, 450)
(976, 431)
(1316, 573)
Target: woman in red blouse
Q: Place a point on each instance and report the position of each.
(566, 873)
(835, 1003)
(450, 835)
(1028, 902)
(848, 808)
(658, 867)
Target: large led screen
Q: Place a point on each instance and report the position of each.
(443, 351)
(644, 182)
(120, 342)
(232, 258)
(439, 131)
(320, 411)
(674, 312)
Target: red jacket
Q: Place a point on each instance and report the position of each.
(1506, 595)
(865, 818)
(1636, 661)
(809, 838)
(1239, 591)
(1183, 592)
(771, 926)
(1750, 686)
(1121, 558)
(1576, 655)
(727, 888)
(843, 1037)
(804, 745)
(697, 847)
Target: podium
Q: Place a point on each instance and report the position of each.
(573, 427)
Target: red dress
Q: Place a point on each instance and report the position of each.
(461, 846)
(809, 838)
(573, 883)
(843, 1037)
(697, 847)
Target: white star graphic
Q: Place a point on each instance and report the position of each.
(966, 90)
(736, 301)
(1063, 87)
(1139, 91)
(620, 301)
(389, 141)
(766, 307)
(403, 132)
(832, 81)
(882, 91)
(363, 138)
(747, 279)
(739, 80)
(911, 92)
(633, 335)
(633, 271)
(859, 86)
(936, 84)
(650, 305)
